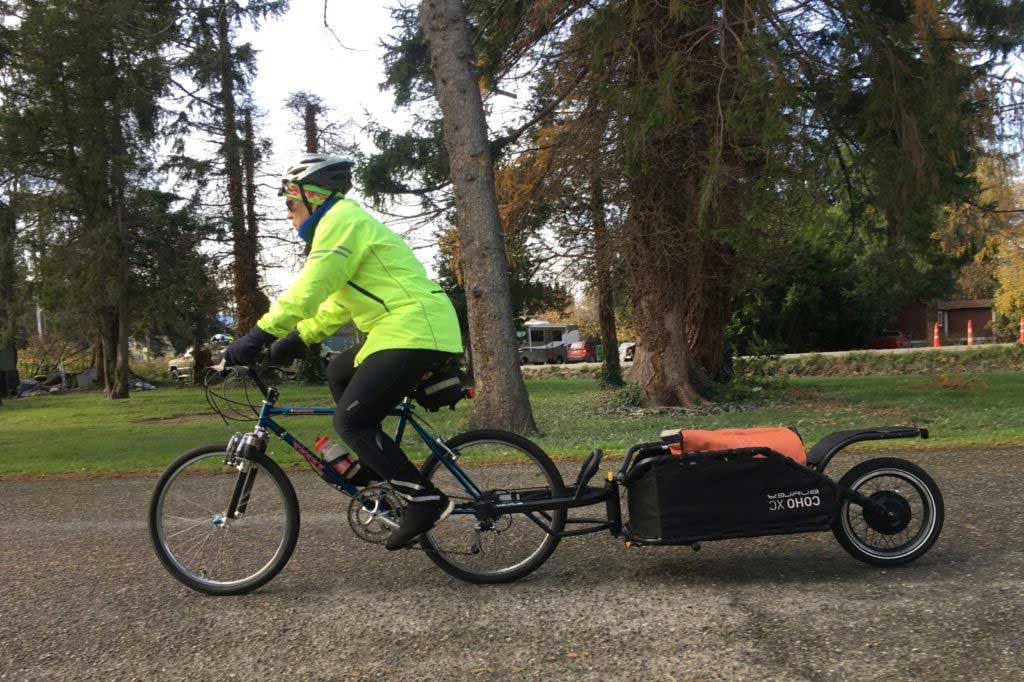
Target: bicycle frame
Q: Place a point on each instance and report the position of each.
(578, 495)
(405, 415)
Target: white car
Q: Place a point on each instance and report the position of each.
(626, 351)
(180, 367)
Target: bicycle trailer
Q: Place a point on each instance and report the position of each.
(697, 486)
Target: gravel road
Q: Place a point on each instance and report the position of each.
(82, 597)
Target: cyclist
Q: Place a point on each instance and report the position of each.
(359, 270)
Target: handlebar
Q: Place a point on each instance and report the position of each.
(250, 371)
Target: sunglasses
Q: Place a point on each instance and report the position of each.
(291, 203)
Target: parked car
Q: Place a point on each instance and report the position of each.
(583, 351)
(180, 366)
(890, 339)
(626, 351)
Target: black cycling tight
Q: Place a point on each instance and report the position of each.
(367, 393)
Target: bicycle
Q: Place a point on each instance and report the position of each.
(231, 534)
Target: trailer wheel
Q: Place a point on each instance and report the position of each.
(912, 517)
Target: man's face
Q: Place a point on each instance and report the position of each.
(297, 212)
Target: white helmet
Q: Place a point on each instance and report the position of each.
(328, 172)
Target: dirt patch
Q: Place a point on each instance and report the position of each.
(954, 382)
(180, 419)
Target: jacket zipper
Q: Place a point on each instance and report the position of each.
(364, 292)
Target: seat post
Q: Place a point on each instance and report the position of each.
(403, 411)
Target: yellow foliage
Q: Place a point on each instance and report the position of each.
(989, 235)
(518, 184)
(1009, 298)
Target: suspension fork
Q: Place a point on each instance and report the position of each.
(242, 490)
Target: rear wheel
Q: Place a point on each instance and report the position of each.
(204, 547)
(910, 518)
(504, 466)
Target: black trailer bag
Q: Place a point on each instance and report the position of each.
(729, 494)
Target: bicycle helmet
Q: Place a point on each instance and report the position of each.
(316, 178)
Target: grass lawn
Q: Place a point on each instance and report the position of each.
(83, 432)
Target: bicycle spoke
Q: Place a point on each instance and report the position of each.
(197, 523)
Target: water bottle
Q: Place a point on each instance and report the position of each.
(345, 464)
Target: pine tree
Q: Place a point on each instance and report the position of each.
(80, 110)
(502, 399)
(222, 69)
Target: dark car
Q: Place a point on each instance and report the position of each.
(890, 339)
(583, 351)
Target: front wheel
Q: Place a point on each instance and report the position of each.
(502, 466)
(912, 517)
(201, 542)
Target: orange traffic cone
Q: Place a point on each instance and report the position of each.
(935, 335)
(1022, 328)
(970, 333)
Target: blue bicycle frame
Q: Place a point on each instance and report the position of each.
(405, 415)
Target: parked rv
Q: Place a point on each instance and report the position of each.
(542, 342)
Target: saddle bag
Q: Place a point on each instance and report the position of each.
(747, 490)
(441, 388)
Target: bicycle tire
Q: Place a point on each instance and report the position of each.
(177, 569)
(932, 508)
(555, 487)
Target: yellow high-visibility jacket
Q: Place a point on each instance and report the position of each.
(360, 270)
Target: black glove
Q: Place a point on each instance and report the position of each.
(246, 350)
(283, 351)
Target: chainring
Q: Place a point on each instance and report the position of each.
(374, 513)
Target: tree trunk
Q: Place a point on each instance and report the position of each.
(712, 288)
(9, 302)
(109, 350)
(309, 126)
(259, 301)
(313, 370)
(245, 278)
(201, 356)
(611, 372)
(501, 400)
(662, 364)
(119, 389)
(100, 363)
(665, 169)
(709, 309)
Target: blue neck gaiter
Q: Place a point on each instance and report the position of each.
(308, 227)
